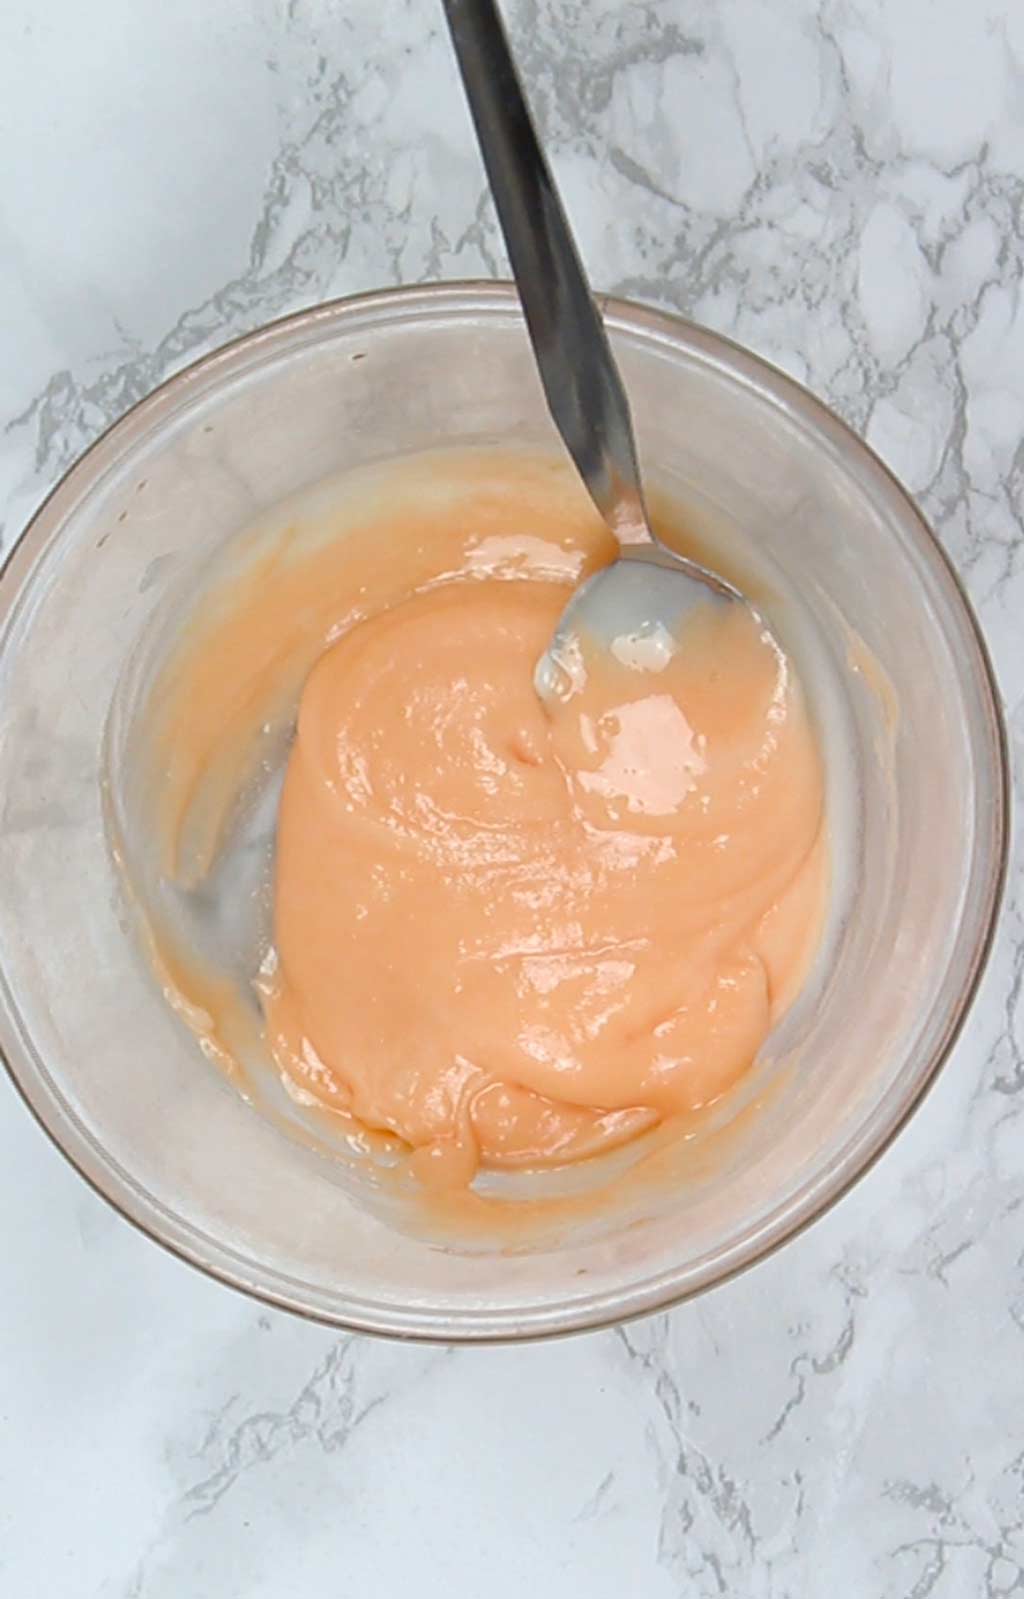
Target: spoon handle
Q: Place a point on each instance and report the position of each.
(581, 381)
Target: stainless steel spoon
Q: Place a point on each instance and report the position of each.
(637, 603)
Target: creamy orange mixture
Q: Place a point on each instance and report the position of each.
(517, 936)
(513, 936)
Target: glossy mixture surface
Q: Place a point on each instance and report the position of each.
(516, 936)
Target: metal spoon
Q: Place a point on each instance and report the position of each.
(636, 604)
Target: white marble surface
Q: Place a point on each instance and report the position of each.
(840, 184)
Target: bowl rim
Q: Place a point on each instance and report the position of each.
(183, 1240)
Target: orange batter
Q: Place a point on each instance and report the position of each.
(515, 936)
(511, 937)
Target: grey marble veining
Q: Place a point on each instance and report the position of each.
(839, 185)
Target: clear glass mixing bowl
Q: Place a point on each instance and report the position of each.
(914, 724)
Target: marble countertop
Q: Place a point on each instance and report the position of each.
(839, 184)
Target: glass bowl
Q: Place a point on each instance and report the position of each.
(898, 677)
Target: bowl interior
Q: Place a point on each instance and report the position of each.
(846, 571)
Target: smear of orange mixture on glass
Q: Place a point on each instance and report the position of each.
(514, 935)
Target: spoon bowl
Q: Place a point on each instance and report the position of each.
(635, 609)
